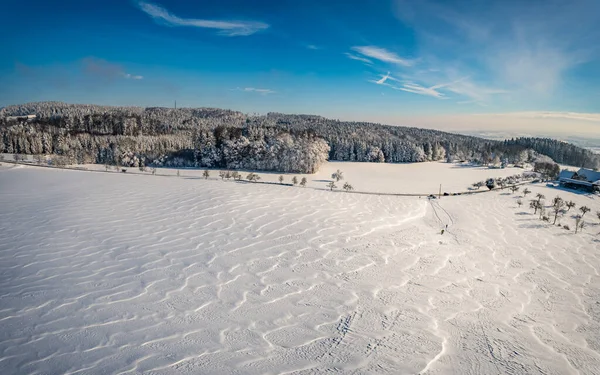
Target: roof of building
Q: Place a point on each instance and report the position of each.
(576, 182)
(590, 175)
(566, 174)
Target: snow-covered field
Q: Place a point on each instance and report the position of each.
(110, 273)
(406, 178)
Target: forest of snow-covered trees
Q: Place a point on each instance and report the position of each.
(207, 137)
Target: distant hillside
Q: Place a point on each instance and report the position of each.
(228, 139)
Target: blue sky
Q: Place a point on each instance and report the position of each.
(425, 63)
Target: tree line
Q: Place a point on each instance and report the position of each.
(217, 138)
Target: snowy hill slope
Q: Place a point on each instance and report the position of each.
(113, 273)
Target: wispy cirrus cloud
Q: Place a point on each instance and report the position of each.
(255, 90)
(420, 90)
(226, 28)
(525, 47)
(382, 54)
(358, 58)
(411, 86)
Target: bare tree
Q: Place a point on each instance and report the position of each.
(338, 175)
(235, 175)
(478, 185)
(178, 174)
(295, 180)
(541, 209)
(348, 187)
(206, 174)
(570, 204)
(331, 185)
(579, 223)
(558, 206)
(222, 174)
(584, 210)
(519, 203)
(540, 196)
(535, 205)
(281, 179)
(228, 175)
(253, 177)
(525, 192)
(106, 166)
(303, 182)
(142, 168)
(514, 189)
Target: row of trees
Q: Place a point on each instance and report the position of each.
(559, 151)
(227, 139)
(557, 210)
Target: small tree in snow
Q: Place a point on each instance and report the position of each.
(303, 182)
(598, 214)
(579, 223)
(253, 177)
(525, 192)
(558, 206)
(535, 206)
(542, 209)
(519, 203)
(514, 189)
(153, 170)
(478, 185)
(235, 175)
(490, 183)
(222, 174)
(338, 175)
(570, 204)
(331, 185)
(206, 174)
(106, 166)
(228, 175)
(540, 196)
(295, 180)
(178, 174)
(584, 210)
(280, 179)
(348, 187)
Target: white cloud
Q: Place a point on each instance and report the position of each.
(313, 47)
(411, 87)
(382, 54)
(418, 89)
(130, 76)
(358, 58)
(227, 28)
(527, 47)
(256, 90)
(383, 79)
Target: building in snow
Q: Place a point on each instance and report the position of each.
(583, 179)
